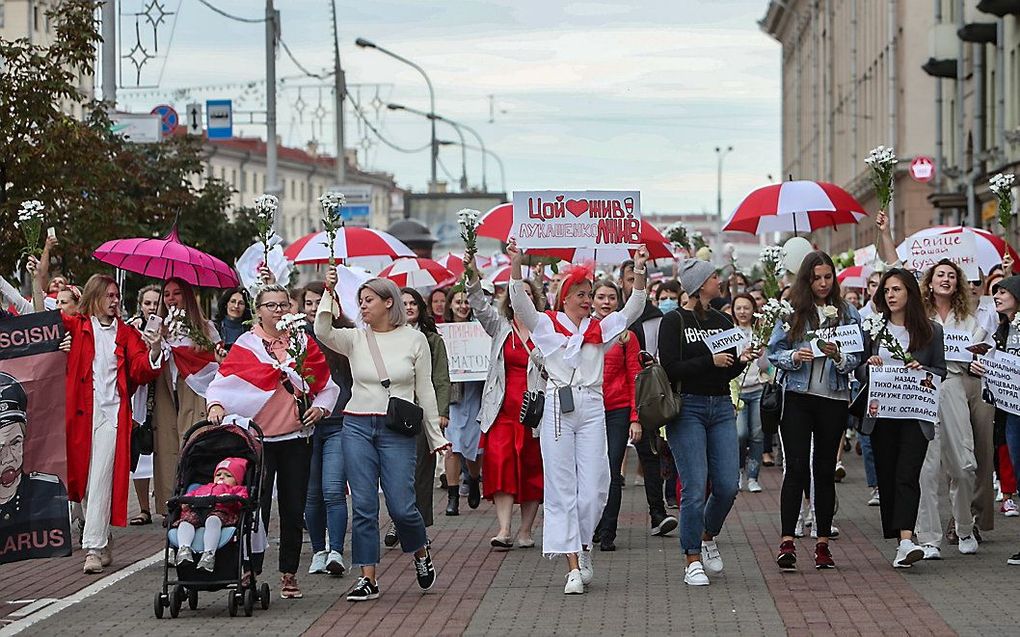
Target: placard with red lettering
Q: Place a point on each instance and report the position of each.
(577, 218)
(34, 520)
(923, 253)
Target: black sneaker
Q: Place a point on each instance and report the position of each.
(425, 570)
(363, 591)
(1014, 559)
(391, 538)
(607, 544)
(664, 526)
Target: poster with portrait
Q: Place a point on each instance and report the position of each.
(1002, 380)
(34, 521)
(900, 393)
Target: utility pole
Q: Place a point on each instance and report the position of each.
(108, 29)
(340, 94)
(272, 31)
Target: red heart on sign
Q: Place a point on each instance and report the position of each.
(577, 207)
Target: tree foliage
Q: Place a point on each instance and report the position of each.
(94, 185)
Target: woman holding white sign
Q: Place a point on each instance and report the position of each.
(573, 429)
(816, 390)
(962, 445)
(901, 330)
(463, 431)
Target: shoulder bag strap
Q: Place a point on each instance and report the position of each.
(380, 366)
(530, 351)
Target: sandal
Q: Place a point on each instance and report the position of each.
(143, 518)
(502, 542)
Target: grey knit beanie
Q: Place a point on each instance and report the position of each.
(694, 273)
(1011, 284)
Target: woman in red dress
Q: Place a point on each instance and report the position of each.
(512, 462)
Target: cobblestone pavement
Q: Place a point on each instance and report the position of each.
(638, 589)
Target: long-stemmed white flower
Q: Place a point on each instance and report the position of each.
(882, 161)
(265, 219)
(297, 347)
(875, 325)
(772, 258)
(765, 321)
(29, 221)
(331, 220)
(1001, 186)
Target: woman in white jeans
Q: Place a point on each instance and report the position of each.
(573, 431)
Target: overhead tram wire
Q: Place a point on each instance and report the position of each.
(382, 138)
(229, 15)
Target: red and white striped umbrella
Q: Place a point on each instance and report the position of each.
(416, 273)
(795, 206)
(455, 263)
(990, 248)
(856, 276)
(496, 222)
(501, 276)
(350, 243)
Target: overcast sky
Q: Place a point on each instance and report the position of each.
(606, 94)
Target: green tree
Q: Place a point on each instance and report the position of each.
(94, 185)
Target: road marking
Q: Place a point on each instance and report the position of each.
(55, 607)
(33, 606)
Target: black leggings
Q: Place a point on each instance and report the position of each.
(900, 447)
(288, 463)
(805, 415)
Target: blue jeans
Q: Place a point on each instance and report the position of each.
(869, 459)
(326, 504)
(703, 439)
(617, 435)
(750, 437)
(372, 455)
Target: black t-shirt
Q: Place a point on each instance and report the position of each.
(687, 359)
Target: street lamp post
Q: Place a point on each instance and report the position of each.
(366, 44)
(433, 117)
(720, 154)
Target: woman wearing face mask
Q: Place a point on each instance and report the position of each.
(750, 436)
(622, 427)
(703, 436)
(816, 401)
(669, 296)
(899, 445)
(512, 461)
(462, 431)
(573, 430)
(180, 391)
(962, 446)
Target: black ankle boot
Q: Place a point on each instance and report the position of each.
(474, 492)
(453, 503)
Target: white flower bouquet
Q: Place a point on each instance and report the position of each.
(765, 321)
(178, 326)
(882, 161)
(297, 347)
(772, 258)
(467, 219)
(1001, 186)
(678, 235)
(29, 221)
(875, 325)
(331, 219)
(265, 218)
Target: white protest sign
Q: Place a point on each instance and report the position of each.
(865, 255)
(900, 393)
(924, 252)
(848, 337)
(1002, 378)
(956, 343)
(731, 338)
(467, 348)
(577, 218)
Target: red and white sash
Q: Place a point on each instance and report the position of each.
(555, 331)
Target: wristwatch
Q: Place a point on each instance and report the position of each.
(641, 271)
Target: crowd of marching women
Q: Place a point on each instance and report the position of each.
(707, 375)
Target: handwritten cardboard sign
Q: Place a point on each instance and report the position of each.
(848, 337)
(577, 218)
(923, 253)
(723, 341)
(467, 349)
(1002, 378)
(956, 343)
(899, 393)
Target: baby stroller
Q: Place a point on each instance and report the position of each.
(204, 446)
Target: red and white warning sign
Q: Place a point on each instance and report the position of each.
(922, 169)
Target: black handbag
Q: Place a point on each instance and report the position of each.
(533, 401)
(771, 406)
(402, 416)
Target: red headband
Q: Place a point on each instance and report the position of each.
(575, 274)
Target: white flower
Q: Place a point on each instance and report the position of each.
(1016, 321)
(330, 201)
(830, 312)
(30, 211)
(1001, 183)
(266, 205)
(787, 327)
(881, 156)
(290, 322)
(468, 217)
(873, 325)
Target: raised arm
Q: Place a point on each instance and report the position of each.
(338, 340)
(11, 296)
(887, 245)
(484, 313)
(524, 308)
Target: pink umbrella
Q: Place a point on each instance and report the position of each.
(166, 258)
(416, 273)
(350, 242)
(795, 206)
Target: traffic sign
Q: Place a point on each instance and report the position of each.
(219, 119)
(137, 128)
(922, 169)
(168, 118)
(193, 118)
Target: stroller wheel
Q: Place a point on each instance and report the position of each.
(157, 605)
(232, 603)
(264, 595)
(249, 601)
(192, 598)
(176, 599)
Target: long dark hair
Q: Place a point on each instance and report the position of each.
(426, 322)
(221, 307)
(802, 298)
(450, 294)
(916, 317)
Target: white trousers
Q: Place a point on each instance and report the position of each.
(99, 489)
(575, 466)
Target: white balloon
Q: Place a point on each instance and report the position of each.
(796, 249)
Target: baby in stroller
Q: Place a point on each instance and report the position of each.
(228, 475)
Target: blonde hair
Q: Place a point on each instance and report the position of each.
(94, 294)
(387, 290)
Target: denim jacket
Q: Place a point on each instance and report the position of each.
(796, 376)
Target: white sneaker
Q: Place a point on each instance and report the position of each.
(874, 500)
(840, 472)
(931, 552)
(833, 532)
(695, 575)
(1009, 508)
(907, 553)
(710, 557)
(753, 486)
(968, 545)
(742, 482)
(574, 584)
(318, 563)
(586, 567)
(335, 564)
(798, 531)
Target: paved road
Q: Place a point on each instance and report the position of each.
(638, 589)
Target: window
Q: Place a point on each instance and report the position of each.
(244, 181)
(35, 18)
